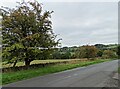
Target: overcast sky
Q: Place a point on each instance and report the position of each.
(79, 23)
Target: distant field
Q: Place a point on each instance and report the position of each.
(4, 65)
(113, 46)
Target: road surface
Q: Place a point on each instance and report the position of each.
(90, 76)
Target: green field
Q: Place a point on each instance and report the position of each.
(26, 74)
(4, 65)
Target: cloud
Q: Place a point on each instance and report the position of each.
(82, 22)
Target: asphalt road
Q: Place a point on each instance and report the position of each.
(90, 76)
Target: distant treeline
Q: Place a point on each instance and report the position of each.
(86, 51)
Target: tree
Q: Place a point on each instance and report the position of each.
(80, 52)
(56, 55)
(100, 53)
(27, 33)
(66, 55)
(109, 54)
(100, 46)
(87, 51)
(91, 51)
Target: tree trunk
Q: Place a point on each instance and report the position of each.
(27, 62)
(15, 63)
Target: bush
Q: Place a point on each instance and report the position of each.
(109, 54)
(87, 51)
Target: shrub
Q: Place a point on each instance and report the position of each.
(109, 54)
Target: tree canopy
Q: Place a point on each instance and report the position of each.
(27, 33)
(87, 51)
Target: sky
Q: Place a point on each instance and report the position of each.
(79, 23)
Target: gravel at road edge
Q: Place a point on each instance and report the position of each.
(113, 81)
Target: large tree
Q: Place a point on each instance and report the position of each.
(87, 51)
(27, 33)
(109, 54)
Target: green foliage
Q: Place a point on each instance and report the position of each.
(80, 53)
(87, 52)
(66, 55)
(105, 47)
(61, 55)
(27, 33)
(100, 46)
(109, 54)
(26, 74)
(56, 55)
(99, 53)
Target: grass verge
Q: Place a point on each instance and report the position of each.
(26, 74)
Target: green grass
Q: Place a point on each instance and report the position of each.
(26, 74)
(4, 65)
